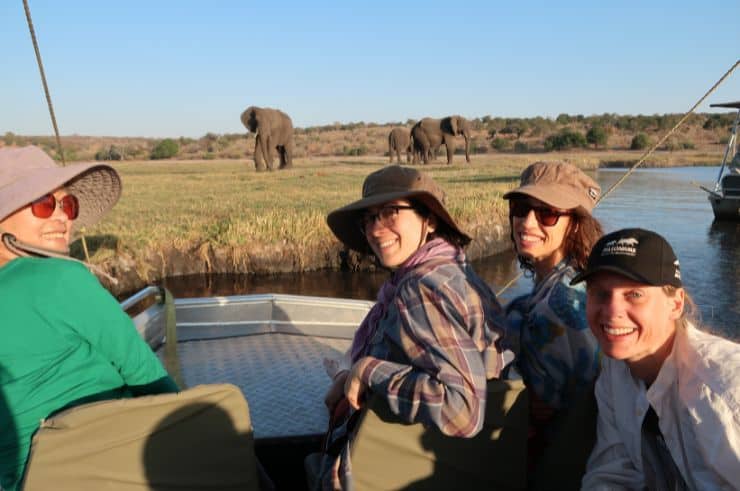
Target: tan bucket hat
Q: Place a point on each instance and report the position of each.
(560, 185)
(387, 184)
(27, 173)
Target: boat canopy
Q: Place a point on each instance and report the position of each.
(730, 105)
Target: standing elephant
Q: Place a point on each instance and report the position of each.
(399, 140)
(428, 134)
(274, 129)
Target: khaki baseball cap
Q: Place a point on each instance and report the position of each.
(558, 184)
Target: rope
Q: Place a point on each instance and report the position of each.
(645, 155)
(50, 105)
(43, 80)
(22, 249)
(670, 132)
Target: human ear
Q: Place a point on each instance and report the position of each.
(677, 302)
(431, 223)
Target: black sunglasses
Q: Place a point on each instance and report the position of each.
(545, 215)
(387, 216)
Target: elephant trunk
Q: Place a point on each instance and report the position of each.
(466, 135)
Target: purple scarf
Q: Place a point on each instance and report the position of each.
(432, 249)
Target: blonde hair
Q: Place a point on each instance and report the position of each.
(690, 314)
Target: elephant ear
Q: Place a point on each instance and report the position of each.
(249, 119)
(454, 125)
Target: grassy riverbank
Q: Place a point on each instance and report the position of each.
(184, 217)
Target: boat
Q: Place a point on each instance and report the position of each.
(725, 197)
(272, 347)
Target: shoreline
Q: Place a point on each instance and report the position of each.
(132, 274)
(229, 219)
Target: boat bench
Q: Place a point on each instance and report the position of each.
(390, 454)
(197, 439)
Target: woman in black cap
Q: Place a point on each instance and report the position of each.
(668, 393)
(428, 345)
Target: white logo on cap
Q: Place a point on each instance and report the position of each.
(621, 247)
(593, 193)
(677, 272)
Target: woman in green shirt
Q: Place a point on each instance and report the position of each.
(64, 340)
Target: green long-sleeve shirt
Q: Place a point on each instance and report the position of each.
(64, 340)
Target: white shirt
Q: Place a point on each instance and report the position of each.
(697, 399)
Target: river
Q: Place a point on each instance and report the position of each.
(668, 201)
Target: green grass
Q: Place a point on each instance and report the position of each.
(226, 204)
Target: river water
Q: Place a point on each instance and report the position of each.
(667, 201)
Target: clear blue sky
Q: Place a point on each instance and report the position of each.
(184, 68)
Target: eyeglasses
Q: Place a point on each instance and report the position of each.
(387, 216)
(44, 206)
(545, 216)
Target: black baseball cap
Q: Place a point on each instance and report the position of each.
(638, 254)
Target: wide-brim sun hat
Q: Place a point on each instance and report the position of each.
(382, 186)
(558, 184)
(27, 173)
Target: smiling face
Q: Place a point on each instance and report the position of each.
(543, 245)
(51, 233)
(632, 321)
(396, 238)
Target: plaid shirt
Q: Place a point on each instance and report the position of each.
(431, 355)
(436, 347)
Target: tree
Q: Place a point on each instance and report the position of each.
(564, 140)
(640, 142)
(500, 144)
(597, 136)
(165, 149)
(563, 118)
(110, 153)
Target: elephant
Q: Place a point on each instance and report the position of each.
(274, 129)
(428, 134)
(399, 140)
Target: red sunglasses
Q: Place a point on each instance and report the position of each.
(44, 206)
(545, 216)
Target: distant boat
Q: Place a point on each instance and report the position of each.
(725, 198)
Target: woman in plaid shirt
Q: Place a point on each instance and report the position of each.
(430, 342)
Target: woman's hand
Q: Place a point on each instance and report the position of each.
(336, 390)
(332, 367)
(354, 387)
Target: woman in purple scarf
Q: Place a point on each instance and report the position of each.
(430, 342)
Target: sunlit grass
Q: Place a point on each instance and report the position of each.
(185, 204)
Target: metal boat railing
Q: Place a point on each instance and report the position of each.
(166, 311)
(729, 149)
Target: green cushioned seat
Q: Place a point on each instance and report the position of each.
(388, 454)
(200, 438)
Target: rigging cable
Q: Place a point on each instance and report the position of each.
(646, 154)
(43, 80)
(51, 106)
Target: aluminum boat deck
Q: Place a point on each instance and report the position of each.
(271, 346)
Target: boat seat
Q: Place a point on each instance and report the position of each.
(389, 454)
(200, 438)
(731, 185)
